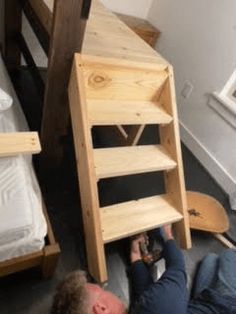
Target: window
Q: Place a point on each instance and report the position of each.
(224, 102)
(228, 94)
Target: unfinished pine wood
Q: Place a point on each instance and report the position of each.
(19, 143)
(20, 263)
(206, 213)
(115, 112)
(174, 179)
(126, 219)
(135, 134)
(116, 80)
(142, 28)
(120, 161)
(122, 131)
(223, 240)
(106, 35)
(50, 259)
(86, 174)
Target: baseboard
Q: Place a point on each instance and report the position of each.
(209, 162)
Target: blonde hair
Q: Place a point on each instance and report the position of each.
(71, 296)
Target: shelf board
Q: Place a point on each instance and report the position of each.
(126, 219)
(122, 112)
(128, 160)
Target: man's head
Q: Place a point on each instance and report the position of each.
(76, 296)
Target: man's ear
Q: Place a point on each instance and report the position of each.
(100, 308)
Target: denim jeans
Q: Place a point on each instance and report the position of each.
(218, 273)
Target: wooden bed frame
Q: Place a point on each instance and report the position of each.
(46, 258)
(28, 143)
(53, 94)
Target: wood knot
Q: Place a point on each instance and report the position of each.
(98, 80)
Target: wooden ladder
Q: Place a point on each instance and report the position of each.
(105, 91)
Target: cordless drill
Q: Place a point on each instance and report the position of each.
(151, 257)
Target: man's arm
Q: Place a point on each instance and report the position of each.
(171, 253)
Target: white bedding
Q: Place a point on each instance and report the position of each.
(22, 224)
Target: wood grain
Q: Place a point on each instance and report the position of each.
(87, 176)
(12, 144)
(120, 161)
(174, 179)
(126, 219)
(106, 35)
(115, 112)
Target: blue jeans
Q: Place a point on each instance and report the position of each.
(218, 273)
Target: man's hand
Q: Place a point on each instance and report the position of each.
(167, 232)
(135, 253)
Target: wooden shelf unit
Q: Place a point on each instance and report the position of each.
(106, 82)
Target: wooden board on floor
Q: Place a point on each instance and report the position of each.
(206, 213)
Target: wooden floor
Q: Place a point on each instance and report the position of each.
(28, 293)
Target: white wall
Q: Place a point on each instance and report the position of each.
(199, 39)
(137, 8)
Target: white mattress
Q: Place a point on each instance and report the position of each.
(22, 224)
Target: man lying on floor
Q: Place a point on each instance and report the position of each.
(214, 291)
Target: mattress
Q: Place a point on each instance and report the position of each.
(22, 223)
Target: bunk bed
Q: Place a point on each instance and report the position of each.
(26, 237)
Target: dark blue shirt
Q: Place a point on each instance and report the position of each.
(169, 294)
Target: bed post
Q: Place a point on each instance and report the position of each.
(69, 21)
(13, 22)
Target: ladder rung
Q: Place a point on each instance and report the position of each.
(116, 112)
(120, 161)
(126, 219)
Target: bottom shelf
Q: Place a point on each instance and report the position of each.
(126, 219)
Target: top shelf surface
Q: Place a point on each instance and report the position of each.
(106, 35)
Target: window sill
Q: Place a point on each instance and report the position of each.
(224, 107)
